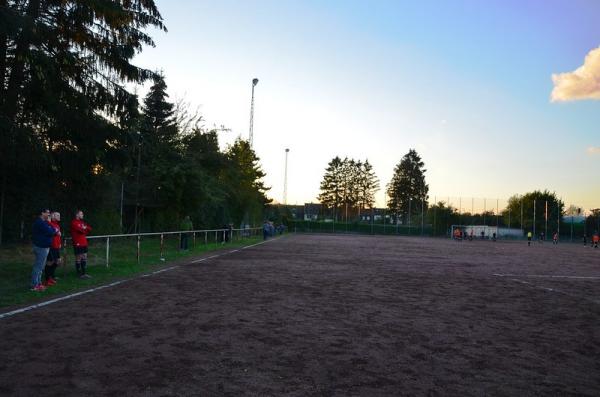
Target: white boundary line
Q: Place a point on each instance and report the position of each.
(550, 289)
(115, 283)
(548, 276)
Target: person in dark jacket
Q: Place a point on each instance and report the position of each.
(266, 229)
(42, 235)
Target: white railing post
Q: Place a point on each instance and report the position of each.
(162, 246)
(107, 250)
(138, 248)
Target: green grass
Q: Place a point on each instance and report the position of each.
(16, 263)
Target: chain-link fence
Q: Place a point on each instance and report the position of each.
(514, 217)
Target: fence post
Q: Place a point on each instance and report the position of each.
(205, 238)
(64, 259)
(138, 249)
(107, 250)
(162, 245)
(194, 240)
(216, 238)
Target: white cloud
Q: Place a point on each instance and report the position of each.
(593, 150)
(583, 83)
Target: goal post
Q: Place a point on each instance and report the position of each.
(484, 232)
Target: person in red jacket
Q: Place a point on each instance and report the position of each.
(54, 254)
(79, 232)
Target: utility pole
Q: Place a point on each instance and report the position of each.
(251, 133)
(285, 178)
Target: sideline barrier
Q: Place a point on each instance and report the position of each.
(167, 241)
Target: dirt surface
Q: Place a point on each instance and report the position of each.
(326, 315)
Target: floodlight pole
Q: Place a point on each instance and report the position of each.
(546, 221)
(522, 215)
(422, 215)
(558, 219)
(534, 205)
(251, 132)
(285, 177)
(497, 216)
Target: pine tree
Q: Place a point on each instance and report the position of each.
(408, 186)
(243, 178)
(367, 185)
(332, 186)
(159, 122)
(64, 66)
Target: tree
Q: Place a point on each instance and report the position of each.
(348, 183)
(546, 206)
(441, 216)
(159, 126)
(367, 184)
(332, 185)
(63, 70)
(407, 190)
(245, 189)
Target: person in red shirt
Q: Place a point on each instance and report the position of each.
(54, 254)
(79, 232)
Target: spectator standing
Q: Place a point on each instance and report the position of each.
(186, 226)
(266, 229)
(53, 259)
(79, 232)
(42, 234)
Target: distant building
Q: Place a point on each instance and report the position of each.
(312, 211)
(573, 219)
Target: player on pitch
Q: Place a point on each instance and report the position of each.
(529, 235)
(79, 232)
(595, 240)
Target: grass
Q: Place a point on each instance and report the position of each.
(16, 262)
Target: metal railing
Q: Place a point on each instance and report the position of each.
(221, 236)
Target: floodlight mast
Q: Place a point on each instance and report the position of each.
(251, 133)
(285, 177)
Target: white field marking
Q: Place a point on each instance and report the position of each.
(165, 269)
(553, 290)
(548, 276)
(62, 298)
(87, 291)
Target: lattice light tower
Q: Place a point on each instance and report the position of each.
(285, 178)
(251, 134)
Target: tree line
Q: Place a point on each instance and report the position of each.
(73, 135)
(348, 188)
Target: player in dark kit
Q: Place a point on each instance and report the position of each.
(79, 232)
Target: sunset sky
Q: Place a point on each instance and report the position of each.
(498, 97)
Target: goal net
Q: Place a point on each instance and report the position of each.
(483, 232)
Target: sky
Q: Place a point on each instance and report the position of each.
(498, 97)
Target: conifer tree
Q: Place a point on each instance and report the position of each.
(408, 186)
